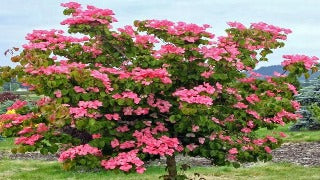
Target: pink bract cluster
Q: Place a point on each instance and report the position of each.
(82, 110)
(307, 61)
(179, 28)
(162, 146)
(17, 105)
(193, 95)
(162, 105)
(77, 151)
(125, 161)
(91, 15)
(28, 140)
(63, 68)
(128, 94)
(43, 39)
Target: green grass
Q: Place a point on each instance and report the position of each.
(292, 136)
(32, 169)
(7, 144)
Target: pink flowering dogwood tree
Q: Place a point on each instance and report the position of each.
(116, 98)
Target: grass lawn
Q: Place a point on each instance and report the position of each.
(32, 169)
(292, 136)
(7, 144)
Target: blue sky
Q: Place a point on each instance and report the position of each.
(19, 17)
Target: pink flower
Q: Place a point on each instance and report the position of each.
(115, 143)
(267, 149)
(114, 116)
(295, 105)
(162, 105)
(128, 30)
(78, 89)
(58, 93)
(214, 119)
(127, 111)
(42, 127)
(250, 124)
(25, 130)
(122, 128)
(17, 105)
(192, 146)
(253, 98)
(128, 94)
(207, 74)
(236, 25)
(282, 134)
(78, 112)
(161, 146)
(124, 161)
(270, 94)
(141, 111)
(125, 167)
(212, 136)
(103, 78)
(140, 169)
(272, 139)
(246, 130)
(43, 101)
(168, 49)
(28, 140)
(240, 105)
(195, 128)
(96, 136)
(81, 150)
(233, 151)
(276, 31)
(307, 61)
(141, 75)
(127, 145)
(193, 95)
(71, 5)
(253, 113)
(292, 88)
(201, 140)
(90, 104)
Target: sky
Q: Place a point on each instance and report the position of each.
(19, 17)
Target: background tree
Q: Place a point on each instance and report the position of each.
(309, 99)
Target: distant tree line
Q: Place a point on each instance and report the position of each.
(13, 85)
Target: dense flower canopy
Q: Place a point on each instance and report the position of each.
(118, 98)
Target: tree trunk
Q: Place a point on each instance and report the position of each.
(172, 167)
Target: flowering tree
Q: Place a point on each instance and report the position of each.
(117, 98)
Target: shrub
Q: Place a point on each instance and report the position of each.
(122, 97)
(6, 96)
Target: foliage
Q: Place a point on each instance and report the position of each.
(5, 105)
(157, 89)
(5, 96)
(7, 144)
(315, 109)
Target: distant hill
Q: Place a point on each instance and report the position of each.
(268, 71)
